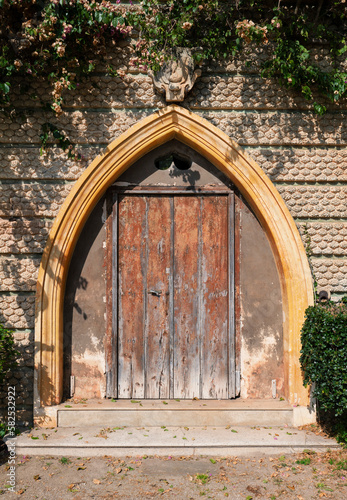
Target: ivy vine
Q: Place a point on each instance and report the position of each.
(62, 41)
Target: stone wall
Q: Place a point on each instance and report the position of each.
(304, 155)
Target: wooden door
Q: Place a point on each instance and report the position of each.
(173, 321)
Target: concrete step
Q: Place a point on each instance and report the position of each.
(157, 413)
(169, 441)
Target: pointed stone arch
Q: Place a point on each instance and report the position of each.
(173, 122)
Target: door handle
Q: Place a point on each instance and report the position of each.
(157, 293)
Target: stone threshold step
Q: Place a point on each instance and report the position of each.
(153, 418)
(174, 441)
(175, 412)
(177, 404)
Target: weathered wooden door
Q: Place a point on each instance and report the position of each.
(173, 304)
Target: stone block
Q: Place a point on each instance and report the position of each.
(323, 202)
(95, 127)
(302, 164)
(17, 311)
(331, 274)
(20, 236)
(22, 199)
(27, 163)
(327, 238)
(18, 274)
(281, 129)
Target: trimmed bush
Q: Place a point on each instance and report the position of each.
(324, 355)
(324, 362)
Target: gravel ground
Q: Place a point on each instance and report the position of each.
(303, 476)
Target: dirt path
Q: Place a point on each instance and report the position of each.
(302, 476)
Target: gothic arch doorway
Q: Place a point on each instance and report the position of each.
(171, 123)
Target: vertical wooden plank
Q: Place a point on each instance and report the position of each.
(201, 315)
(144, 267)
(231, 332)
(131, 293)
(111, 304)
(237, 302)
(171, 297)
(114, 377)
(216, 294)
(158, 298)
(186, 347)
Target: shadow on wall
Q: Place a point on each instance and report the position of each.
(84, 304)
(27, 209)
(22, 240)
(273, 116)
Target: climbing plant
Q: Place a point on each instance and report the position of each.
(286, 33)
(59, 41)
(62, 41)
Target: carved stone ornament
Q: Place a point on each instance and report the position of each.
(177, 76)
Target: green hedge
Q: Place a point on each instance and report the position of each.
(8, 352)
(324, 355)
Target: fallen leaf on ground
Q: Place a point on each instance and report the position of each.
(256, 490)
(96, 481)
